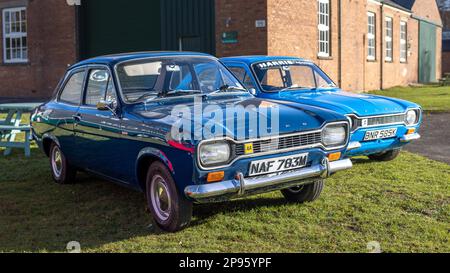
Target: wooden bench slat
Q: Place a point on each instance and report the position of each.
(18, 128)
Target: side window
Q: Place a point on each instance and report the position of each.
(243, 76)
(111, 94)
(72, 90)
(238, 72)
(100, 87)
(248, 82)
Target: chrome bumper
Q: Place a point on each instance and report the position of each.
(406, 138)
(411, 137)
(354, 145)
(241, 186)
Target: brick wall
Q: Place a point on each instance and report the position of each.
(354, 57)
(292, 31)
(241, 16)
(396, 73)
(51, 39)
(446, 62)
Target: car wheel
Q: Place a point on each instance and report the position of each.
(171, 210)
(62, 171)
(386, 156)
(305, 193)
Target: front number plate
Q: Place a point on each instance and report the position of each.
(380, 134)
(279, 164)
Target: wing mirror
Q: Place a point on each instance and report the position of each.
(104, 105)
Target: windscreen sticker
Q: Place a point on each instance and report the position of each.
(267, 65)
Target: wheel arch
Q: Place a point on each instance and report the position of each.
(146, 157)
(47, 141)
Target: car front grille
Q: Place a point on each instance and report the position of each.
(378, 121)
(281, 143)
(386, 120)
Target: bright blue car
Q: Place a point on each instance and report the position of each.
(159, 122)
(380, 126)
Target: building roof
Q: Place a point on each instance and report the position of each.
(446, 41)
(407, 4)
(117, 58)
(446, 45)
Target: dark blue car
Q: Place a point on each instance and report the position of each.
(380, 126)
(160, 122)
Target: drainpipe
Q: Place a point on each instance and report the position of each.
(340, 43)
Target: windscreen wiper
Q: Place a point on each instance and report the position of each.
(226, 88)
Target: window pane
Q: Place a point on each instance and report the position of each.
(72, 90)
(97, 84)
(238, 72)
(8, 43)
(111, 94)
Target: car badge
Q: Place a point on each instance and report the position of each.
(365, 122)
(248, 148)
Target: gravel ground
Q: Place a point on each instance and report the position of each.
(435, 141)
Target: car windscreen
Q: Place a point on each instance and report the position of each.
(278, 76)
(175, 76)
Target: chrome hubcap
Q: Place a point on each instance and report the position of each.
(160, 196)
(56, 162)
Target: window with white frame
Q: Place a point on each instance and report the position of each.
(403, 41)
(371, 36)
(15, 48)
(324, 28)
(388, 39)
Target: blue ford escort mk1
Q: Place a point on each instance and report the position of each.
(160, 122)
(380, 126)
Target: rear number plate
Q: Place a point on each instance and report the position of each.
(279, 164)
(380, 134)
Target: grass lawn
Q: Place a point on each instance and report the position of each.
(431, 98)
(403, 205)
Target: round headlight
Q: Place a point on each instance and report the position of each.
(214, 153)
(334, 135)
(411, 117)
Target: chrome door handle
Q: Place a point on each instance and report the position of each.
(77, 117)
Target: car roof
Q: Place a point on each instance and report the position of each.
(251, 59)
(117, 58)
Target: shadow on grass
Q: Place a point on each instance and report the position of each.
(38, 215)
(205, 211)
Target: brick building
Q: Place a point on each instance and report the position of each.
(361, 44)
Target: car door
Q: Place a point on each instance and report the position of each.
(63, 112)
(97, 131)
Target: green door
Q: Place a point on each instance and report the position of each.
(427, 52)
(116, 26)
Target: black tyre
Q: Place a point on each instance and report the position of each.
(306, 193)
(171, 210)
(62, 171)
(386, 156)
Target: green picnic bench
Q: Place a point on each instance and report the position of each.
(12, 125)
(445, 80)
